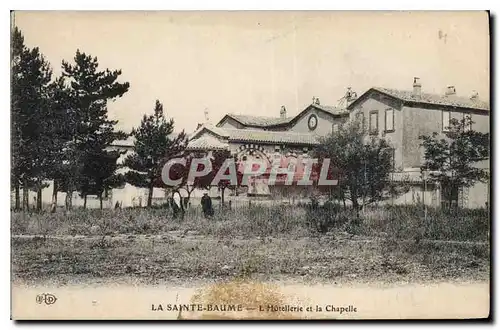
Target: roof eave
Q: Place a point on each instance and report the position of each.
(228, 116)
(273, 142)
(326, 111)
(365, 95)
(437, 105)
(409, 102)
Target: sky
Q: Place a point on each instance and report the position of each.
(254, 62)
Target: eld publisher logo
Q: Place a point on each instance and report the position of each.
(46, 298)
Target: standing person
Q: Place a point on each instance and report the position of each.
(206, 205)
(177, 206)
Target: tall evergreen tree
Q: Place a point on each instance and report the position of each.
(61, 127)
(17, 48)
(30, 109)
(154, 145)
(91, 130)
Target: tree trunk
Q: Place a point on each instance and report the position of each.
(26, 205)
(69, 195)
(100, 200)
(85, 201)
(39, 198)
(222, 196)
(53, 206)
(69, 200)
(54, 192)
(150, 195)
(17, 198)
(355, 206)
(188, 196)
(342, 194)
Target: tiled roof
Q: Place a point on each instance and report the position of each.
(247, 135)
(217, 130)
(260, 121)
(129, 142)
(452, 100)
(207, 142)
(259, 136)
(331, 109)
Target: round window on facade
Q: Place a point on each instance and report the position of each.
(312, 122)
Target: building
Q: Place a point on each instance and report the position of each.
(268, 138)
(401, 116)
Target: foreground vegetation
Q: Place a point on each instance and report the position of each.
(387, 244)
(392, 222)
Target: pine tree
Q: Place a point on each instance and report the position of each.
(17, 48)
(60, 112)
(30, 108)
(154, 145)
(91, 131)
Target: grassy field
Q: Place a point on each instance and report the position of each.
(387, 244)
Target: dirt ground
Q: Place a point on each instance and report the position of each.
(179, 257)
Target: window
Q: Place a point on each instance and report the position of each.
(359, 117)
(446, 121)
(335, 128)
(468, 122)
(374, 122)
(389, 120)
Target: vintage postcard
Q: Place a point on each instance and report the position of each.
(250, 165)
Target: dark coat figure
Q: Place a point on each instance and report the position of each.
(206, 205)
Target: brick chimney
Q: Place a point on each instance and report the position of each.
(475, 95)
(417, 87)
(283, 112)
(450, 90)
